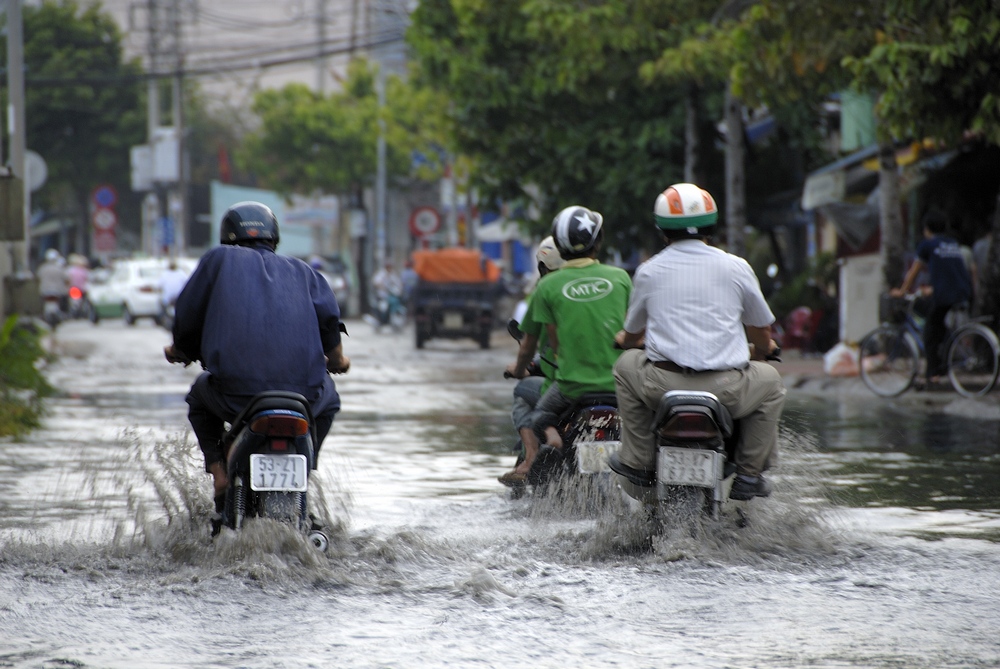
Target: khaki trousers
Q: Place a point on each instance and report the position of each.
(754, 396)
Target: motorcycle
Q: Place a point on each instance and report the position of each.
(391, 312)
(696, 439)
(270, 453)
(52, 312)
(590, 430)
(79, 306)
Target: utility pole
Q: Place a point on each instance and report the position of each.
(177, 111)
(16, 127)
(153, 118)
(321, 47)
(380, 173)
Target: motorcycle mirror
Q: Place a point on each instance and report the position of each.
(514, 331)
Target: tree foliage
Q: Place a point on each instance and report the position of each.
(936, 65)
(83, 103)
(548, 100)
(22, 385)
(308, 142)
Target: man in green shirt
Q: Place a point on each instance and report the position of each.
(581, 308)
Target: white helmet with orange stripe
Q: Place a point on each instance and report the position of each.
(685, 208)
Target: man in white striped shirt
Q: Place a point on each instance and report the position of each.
(695, 307)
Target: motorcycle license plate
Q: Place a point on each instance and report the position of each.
(688, 466)
(286, 473)
(452, 320)
(592, 456)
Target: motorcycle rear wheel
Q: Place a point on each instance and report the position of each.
(683, 504)
(286, 507)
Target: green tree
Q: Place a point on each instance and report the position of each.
(308, 142)
(937, 66)
(83, 104)
(548, 102)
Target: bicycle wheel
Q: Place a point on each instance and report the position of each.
(889, 360)
(973, 360)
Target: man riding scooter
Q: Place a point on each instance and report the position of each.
(694, 307)
(257, 321)
(580, 307)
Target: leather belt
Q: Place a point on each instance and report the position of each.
(673, 367)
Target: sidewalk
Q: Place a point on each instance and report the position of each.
(806, 374)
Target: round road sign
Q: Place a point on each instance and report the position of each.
(425, 221)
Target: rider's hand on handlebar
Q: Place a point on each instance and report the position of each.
(175, 355)
(512, 372)
(339, 366)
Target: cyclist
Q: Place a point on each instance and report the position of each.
(950, 285)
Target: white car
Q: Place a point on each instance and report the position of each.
(132, 288)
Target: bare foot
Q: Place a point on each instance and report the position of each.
(220, 479)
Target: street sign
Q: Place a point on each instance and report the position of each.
(425, 221)
(166, 225)
(105, 196)
(35, 169)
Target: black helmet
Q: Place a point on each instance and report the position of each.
(246, 222)
(576, 229)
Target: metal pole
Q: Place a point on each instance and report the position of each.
(15, 120)
(380, 178)
(321, 46)
(180, 222)
(152, 118)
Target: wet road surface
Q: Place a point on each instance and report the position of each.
(879, 548)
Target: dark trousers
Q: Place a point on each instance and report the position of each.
(208, 409)
(935, 332)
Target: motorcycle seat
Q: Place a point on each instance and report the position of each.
(270, 400)
(672, 400)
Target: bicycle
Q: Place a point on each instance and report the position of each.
(889, 357)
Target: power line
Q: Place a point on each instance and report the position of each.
(213, 69)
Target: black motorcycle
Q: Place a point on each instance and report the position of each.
(696, 441)
(590, 430)
(270, 455)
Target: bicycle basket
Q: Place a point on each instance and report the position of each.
(892, 309)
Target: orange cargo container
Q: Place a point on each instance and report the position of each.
(455, 265)
(455, 296)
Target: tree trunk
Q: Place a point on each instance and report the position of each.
(735, 177)
(890, 218)
(691, 143)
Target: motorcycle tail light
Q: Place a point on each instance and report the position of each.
(75, 293)
(147, 289)
(694, 426)
(279, 445)
(280, 426)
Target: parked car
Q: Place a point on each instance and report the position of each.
(131, 288)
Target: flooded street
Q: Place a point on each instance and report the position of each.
(879, 548)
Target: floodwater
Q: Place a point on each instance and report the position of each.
(879, 548)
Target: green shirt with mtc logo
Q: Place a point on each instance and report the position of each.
(587, 302)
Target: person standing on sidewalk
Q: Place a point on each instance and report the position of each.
(694, 307)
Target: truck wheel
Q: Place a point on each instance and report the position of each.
(484, 338)
(421, 336)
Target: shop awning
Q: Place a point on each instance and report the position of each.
(841, 178)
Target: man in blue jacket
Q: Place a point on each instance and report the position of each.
(257, 321)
